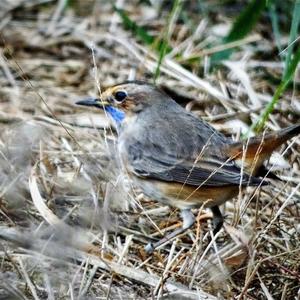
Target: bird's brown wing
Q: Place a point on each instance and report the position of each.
(211, 171)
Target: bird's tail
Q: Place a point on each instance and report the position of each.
(257, 149)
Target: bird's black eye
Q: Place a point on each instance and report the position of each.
(120, 96)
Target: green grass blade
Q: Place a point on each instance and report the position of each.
(291, 63)
(164, 49)
(279, 91)
(293, 36)
(132, 26)
(244, 23)
(275, 25)
(141, 32)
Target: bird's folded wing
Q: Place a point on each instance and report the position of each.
(205, 172)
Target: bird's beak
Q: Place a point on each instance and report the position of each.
(93, 102)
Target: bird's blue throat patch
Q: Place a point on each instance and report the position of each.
(116, 114)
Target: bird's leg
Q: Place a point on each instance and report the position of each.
(217, 219)
(188, 221)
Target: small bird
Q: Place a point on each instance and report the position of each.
(178, 159)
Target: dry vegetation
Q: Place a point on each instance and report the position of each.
(71, 225)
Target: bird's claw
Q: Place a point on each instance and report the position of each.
(149, 248)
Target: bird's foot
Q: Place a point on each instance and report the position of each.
(149, 248)
(188, 221)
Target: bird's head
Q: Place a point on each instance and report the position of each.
(125, 99)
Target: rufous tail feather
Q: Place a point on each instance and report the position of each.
(256, 150)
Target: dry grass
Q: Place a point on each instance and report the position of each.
(71, 225)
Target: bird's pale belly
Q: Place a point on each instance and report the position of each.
(186, 196)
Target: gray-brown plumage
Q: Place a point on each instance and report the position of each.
(177, 158)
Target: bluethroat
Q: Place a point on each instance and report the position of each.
(178, 159)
